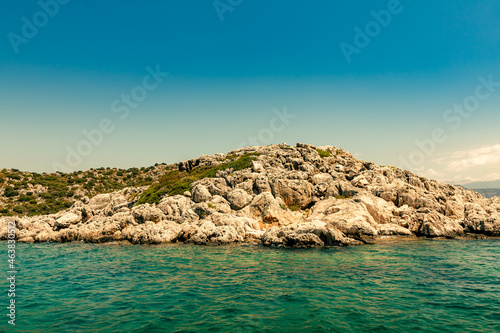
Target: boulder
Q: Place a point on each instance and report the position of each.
(146, 212)
(305, 235)
(294, 192)
(261, 184)
(178, 208)
(152, 233)
(215, 186)
(390, 229)
(209, 234)
(346, 215)
(246, 227)
(437, 225)
(66, 220)
(99, 201)
(257, 167)
(381, 210)
(201, 194)
(265, 208)
(238, 199)
(321, 178)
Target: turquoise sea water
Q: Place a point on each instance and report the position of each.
(432, 286)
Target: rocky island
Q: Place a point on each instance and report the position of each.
(277, 195)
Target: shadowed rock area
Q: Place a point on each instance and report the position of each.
(301, 197)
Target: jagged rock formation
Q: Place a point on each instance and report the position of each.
(301, 196)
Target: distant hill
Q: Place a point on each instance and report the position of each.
(495, 184)
(488, 189)
(489, 192)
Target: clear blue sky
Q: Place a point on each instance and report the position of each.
(226, 77)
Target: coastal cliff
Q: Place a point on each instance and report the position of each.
(278, 195)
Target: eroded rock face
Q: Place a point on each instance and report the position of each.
(289, 196)
(482, 221)
(293, 191)
(437, 225)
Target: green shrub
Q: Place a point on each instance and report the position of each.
(10, 192)
(19, 209)
(23, 198)
(89, 186)
(45, 195)
(323, 153)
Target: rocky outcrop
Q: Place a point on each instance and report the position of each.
(287, 197)
(311, 234)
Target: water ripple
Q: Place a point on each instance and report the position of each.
(431, 286)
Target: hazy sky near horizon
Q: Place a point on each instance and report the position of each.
(83, 83)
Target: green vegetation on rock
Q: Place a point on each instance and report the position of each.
(342, 197)
(323, 153)
(177, 182)
(31, 193)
